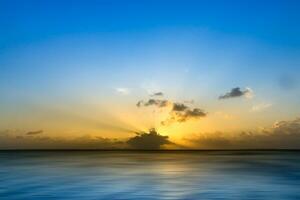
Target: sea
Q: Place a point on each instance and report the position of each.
(145, 175)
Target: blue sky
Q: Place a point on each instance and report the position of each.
(275, 22)
(79, 54)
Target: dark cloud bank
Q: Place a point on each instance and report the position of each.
(142, 140)
(283, 135)
(151, 140)
(20, 140)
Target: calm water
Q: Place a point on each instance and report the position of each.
(146, 175)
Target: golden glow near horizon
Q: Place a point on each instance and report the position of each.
(120, 119)
(116, 119)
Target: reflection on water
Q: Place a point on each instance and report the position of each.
(149, 175)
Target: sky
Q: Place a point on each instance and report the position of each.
(206, 74)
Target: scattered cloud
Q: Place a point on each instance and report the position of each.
(237, 92)
(282, 135)
(34, 132)
(260, 107)
(179, 112)
(122, 91)
(287, 127)
(151, 140)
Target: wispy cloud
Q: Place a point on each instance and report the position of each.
(260, 107)
(122, 91)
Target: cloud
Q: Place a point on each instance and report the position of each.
(179, 107)
(157, 94)
(282, 135)
(287, 127)
(159, 103)
(34, 132)
(250, 93)
(17, 140)
(181, 113)
(140, 103)
(153, 102)
(237, 92)
(122, 91)
(151, 140)
(260, 107)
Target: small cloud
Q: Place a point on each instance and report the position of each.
(122, 91)
(179, 107)
(260, 107)
(153, 102)
(237, 92)
(151, 140)
(249, 93)
(194, 113)
(181, 113)
(157, 94)
(140, 103)
(34, 132)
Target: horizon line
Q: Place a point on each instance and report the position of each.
(150, 150)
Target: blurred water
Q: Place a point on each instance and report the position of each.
(149, 175)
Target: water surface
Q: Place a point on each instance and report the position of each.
(38, 175)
